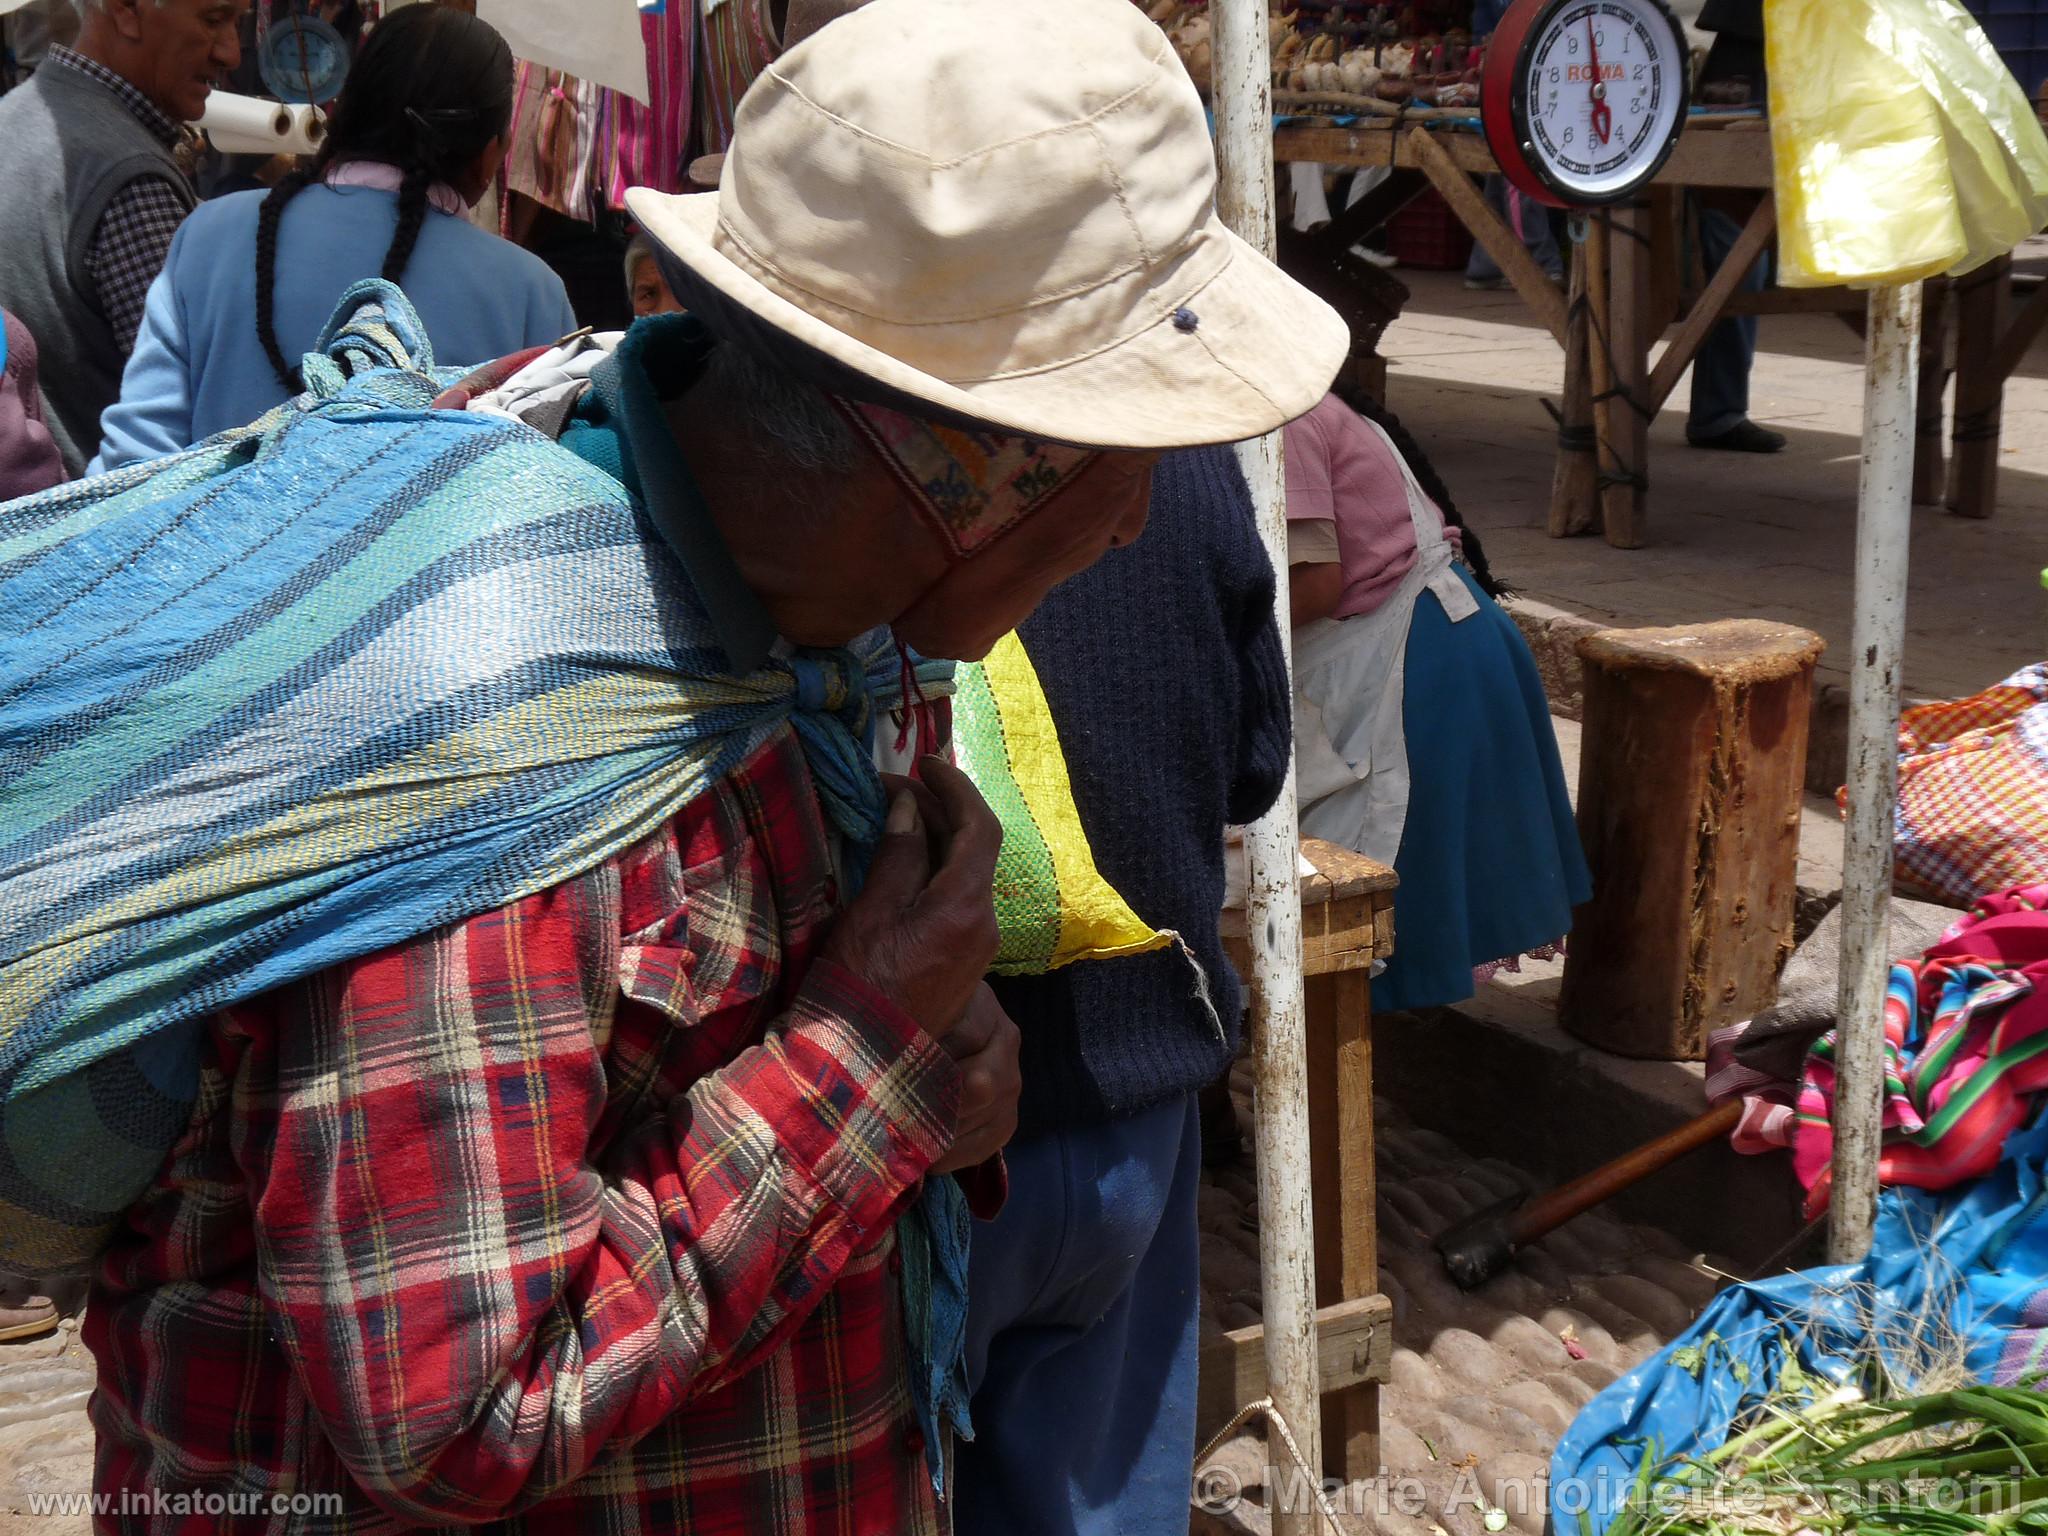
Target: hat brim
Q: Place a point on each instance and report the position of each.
(1260, 350)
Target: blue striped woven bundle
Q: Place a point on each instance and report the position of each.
(309, 690)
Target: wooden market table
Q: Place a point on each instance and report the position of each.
(1347, 912)
(1628, 288)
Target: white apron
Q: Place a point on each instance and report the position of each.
(1350, 756)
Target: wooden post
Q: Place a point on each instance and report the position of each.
(1624, 490)
(1342, 1189)
(1600, 358)
(1973, 471)
(1690, 790)
(1575, 488)
(1930, 461)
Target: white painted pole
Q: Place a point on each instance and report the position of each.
(1244, 197)
(1883, 523)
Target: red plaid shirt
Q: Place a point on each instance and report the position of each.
(574, 1217)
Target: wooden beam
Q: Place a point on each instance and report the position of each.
(1980, 390)
(1490, 230)
(1625, 490)
(2021, 334)
(1930, 452)
(1707, 311)
(1575, 486)
(1354, 1347)
(1600, 360)
(1379, 143)
(1343, 1193)
(1704, 158)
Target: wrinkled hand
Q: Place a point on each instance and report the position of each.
(985, 1044)
(922, 932)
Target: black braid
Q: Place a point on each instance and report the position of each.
(412, 216)
(430, 89)
(267, 221)
(1433, 486)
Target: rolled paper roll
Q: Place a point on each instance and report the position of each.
(248, 125)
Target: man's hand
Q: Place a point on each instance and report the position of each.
(985, 1045)
(924, 936)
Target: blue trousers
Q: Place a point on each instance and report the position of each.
(1081, 1319)
(1720, 369)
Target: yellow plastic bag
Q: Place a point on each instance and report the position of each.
(1903, 146)
(1052, 905)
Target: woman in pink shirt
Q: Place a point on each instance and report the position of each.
(29, 461)
(1422, 734)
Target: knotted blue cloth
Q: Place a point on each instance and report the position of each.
(317, 687)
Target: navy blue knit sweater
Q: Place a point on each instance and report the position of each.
(1163, 669)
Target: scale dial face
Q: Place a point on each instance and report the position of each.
(1595, 93)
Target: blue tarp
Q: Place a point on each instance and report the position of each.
(1990, 1278)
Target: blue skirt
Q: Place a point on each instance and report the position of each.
(1490, 862)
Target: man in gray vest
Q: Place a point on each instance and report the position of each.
(94, 193)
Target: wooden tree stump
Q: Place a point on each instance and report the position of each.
(1693, 764)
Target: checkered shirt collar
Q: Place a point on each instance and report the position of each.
(147, 112)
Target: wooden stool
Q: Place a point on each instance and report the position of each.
(1693, 762)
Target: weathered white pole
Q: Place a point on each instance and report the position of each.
(1244, 197)
(1884, 520)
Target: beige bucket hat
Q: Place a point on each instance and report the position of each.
(1007, 212)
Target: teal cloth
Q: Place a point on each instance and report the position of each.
(248, 734)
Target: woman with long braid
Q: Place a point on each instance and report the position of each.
(1422, 736)
(416, 138)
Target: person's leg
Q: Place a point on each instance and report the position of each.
(1720, 370)
(1531, 223)
(1481, 270)
(1083, 1304)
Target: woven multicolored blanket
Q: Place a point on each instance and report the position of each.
(1966, 1051)
(309, 690)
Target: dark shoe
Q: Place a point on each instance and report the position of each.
(1743, 437)
(33, 1317)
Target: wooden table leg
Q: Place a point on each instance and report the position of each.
(1980, 389)
(1344, 1193)
(1930, 460)
(1575, 488)
(1628, 343)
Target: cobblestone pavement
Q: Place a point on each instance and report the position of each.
(1483, 1384)
(45, 1439)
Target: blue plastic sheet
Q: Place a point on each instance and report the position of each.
(1978, 1255)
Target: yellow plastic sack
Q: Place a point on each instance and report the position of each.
(1052, 905)
(1903, 146)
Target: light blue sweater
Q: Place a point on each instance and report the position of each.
(198, 368)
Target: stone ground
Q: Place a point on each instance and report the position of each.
(1483, 1384)
(1730, 535)
(45, 1439)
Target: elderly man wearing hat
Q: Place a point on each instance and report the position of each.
(625, 1206)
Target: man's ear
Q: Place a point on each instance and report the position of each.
(126, 18)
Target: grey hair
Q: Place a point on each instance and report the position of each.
(642, 249)
(788, 420)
